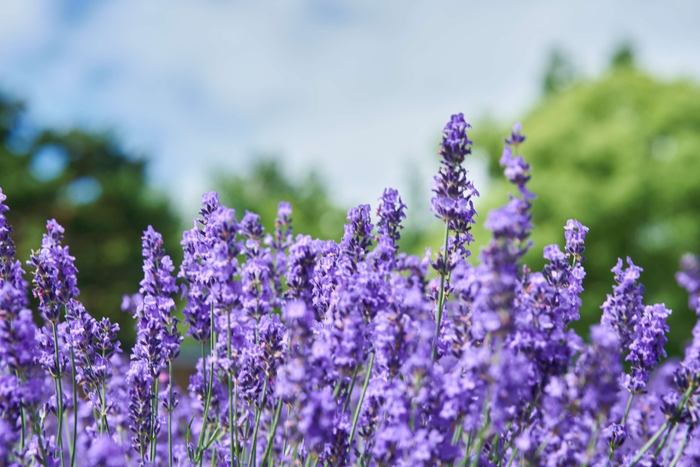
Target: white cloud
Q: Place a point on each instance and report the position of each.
(356, 88)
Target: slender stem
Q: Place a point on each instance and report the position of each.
(480, 437)
(362, 398)
(512, 456)
(664, 439)
(251, 458)
(271, 435)
(75, 408)
(170, 414)
(295, 454)
(649, 444)
(154, 418)
(660, 431)
(441, 296)
(679, 453)
(199, 452)
(670, 445)
(352, 386)
(458, 434)
(232, 425)
(212, 338)
(235, 426)
(622, 423)
(21, 440)
(59, 394)
(627, 409)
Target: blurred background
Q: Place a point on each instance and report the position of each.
(119, 114)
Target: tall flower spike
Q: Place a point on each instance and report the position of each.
(358, 235)
(689, 278)
(647, 347)
(195, 247)
(499, 271)
(452, 201)
(391, 212)
(622, 310)
(55, 279)
(11, 272)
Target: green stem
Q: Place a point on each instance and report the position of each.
(199, 452)
(627, 409)
(338, 385)
(622, 423)
(663, 427)
(75, 408)
(235, 426)
(679, 453)
(512, 456)
(649, 444)
(170, 414)
(480, 437)
(670, 446)
(154, 417)
(232, 444)
(271, 435)
(295, 454)
(362, 398)
(21, 440)
(665, 438)
(59, 394)
(352, 386)
(441, 296)
(258, 414)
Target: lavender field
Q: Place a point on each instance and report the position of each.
(319, 353)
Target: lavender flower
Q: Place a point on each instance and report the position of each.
(347, 361)
(689, 279)
(622, 310)
(55, 279)
(647, 347)
(453, 191)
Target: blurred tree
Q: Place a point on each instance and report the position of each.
(313, 210)
(559, 72)
(98, 193)
(623, 56)
(261, 190)
(621, 154)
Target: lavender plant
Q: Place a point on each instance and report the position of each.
(317, 353)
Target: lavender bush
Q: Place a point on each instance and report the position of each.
(317, 353)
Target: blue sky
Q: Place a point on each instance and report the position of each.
(358, 89)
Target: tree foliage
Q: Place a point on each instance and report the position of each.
(99, 194)
(261, 190)
(621, 153)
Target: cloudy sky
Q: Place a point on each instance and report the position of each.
(358, 89)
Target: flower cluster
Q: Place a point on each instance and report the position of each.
(317, 353)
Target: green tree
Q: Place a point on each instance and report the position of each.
(260, 191)
(97, 192)
(620, 153)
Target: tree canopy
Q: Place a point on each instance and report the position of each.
(620, 153)
(100, 195)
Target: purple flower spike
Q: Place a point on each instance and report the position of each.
(358, 234)
(647, 347)
(689, 278)
(452, 201)
(515, 137)
(622, 309)
(55, 279)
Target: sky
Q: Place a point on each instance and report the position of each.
(358, 90)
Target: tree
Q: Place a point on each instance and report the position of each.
(97, 192)
(261, 190)
(620, 153)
